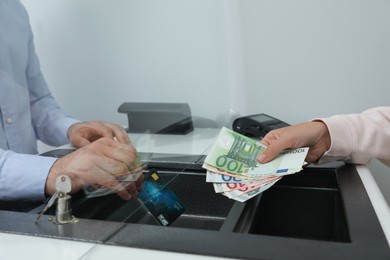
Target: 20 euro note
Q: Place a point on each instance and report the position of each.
(223, 178)
(237, 154)
(236, 176)
(244, 187)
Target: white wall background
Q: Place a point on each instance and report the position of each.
(313, 58)
(97, 54)
(295, 60)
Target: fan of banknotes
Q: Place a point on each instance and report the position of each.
(233, 169)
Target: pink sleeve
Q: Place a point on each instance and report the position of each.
(358, 138)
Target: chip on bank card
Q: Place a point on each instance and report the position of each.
(159, 199)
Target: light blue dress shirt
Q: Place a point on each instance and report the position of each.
(28, 111)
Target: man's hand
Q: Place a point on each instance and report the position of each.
(81, 134)
(314, 135)
(98, 164)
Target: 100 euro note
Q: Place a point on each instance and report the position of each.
(237, 155)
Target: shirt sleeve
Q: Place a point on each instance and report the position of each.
(23, 176)
(50, 122)
(358, 138)
(22, 173)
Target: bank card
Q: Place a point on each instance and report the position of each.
(159, 199)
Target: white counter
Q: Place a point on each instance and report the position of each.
(49, 248)
(381, 208)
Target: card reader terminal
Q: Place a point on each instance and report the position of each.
(257, 125)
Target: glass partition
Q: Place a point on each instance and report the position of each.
(170, 62)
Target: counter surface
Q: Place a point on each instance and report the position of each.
(197, 142)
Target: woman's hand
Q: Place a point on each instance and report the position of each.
(314, 135)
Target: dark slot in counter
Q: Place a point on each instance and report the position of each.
(318, 213)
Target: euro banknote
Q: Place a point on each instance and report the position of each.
(233, 169)
(237, 154)
(243, 196)
(243, 186)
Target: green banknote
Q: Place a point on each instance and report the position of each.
(237, 154)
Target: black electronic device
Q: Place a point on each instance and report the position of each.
(158, 118)
(257, 125)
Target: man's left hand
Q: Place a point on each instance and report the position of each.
(81, 134)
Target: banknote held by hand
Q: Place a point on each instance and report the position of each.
(233, 169)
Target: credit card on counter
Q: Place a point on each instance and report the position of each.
(159, 199)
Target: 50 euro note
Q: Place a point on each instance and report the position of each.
(243, 196)
(237, 155)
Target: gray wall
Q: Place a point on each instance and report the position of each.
(295, 60)
(97, 54)
(315, 58)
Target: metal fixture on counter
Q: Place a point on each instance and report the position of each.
(63, 210)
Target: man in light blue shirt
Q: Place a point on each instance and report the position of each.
(29, 112)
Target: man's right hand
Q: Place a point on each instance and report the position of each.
(97, 164)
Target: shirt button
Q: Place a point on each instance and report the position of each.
(9, 120)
